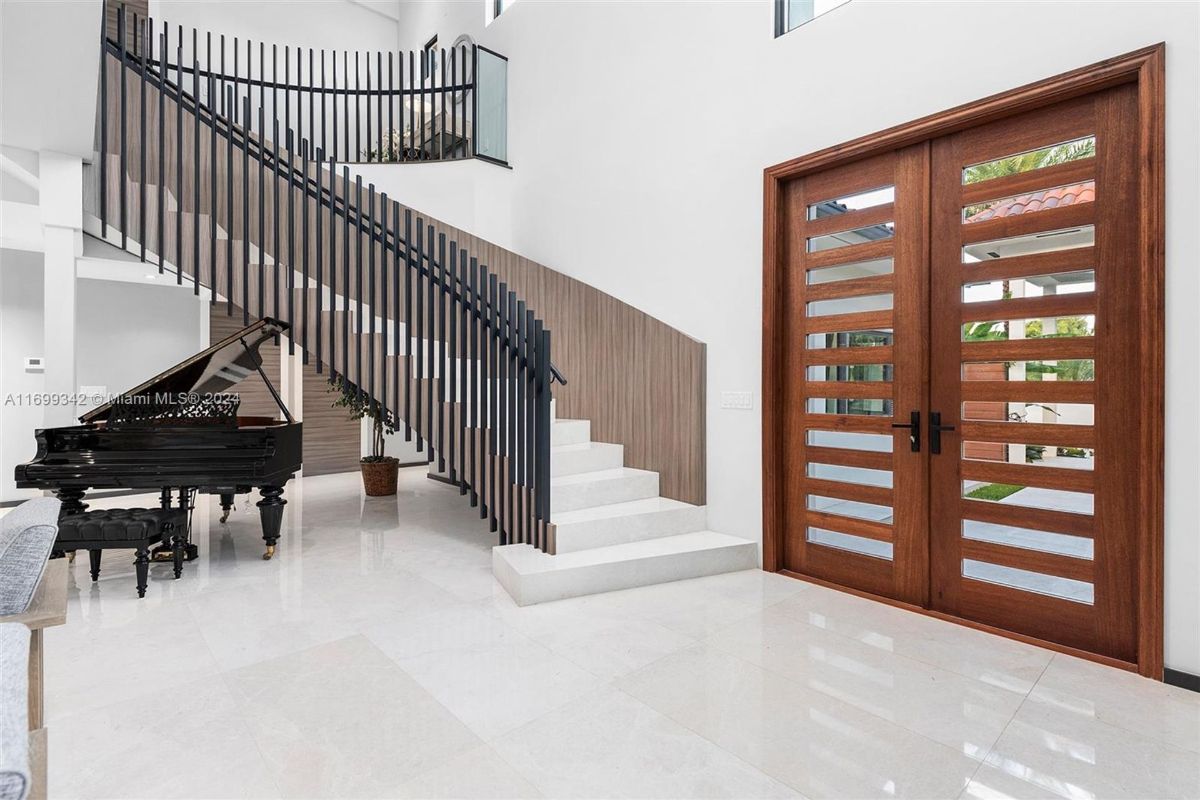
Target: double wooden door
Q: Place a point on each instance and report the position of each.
(964, 372)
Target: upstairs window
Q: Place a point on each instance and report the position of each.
(496, 8)
(791, 14)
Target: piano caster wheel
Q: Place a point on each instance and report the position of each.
(224, 516)
(270, 552)
(71, 557)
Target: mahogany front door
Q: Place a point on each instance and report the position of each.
(970, 384)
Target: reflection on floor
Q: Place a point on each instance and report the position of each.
(376, 657)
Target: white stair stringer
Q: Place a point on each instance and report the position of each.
(612, 529)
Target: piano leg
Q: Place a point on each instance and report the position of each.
(72, 501)
(226, 504)
(270, 510)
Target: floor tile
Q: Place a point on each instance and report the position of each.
(960, 712)
(343, 720)
(609, 745)
(1150, 708)
(818, 745)
(457, 627)
(1074, 757)
(496, 689)
(478, 774)
(163, 745)
(995, 660)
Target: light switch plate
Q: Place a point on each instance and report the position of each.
(739, 400)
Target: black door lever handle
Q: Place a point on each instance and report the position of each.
(914, 430)
(935, 431)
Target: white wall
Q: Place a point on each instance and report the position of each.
(49, 62)
(638, 133)
(20, 337)
(128, 332)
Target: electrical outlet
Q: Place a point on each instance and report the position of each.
(739, 400)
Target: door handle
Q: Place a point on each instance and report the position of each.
(914, 430)
(935, 431)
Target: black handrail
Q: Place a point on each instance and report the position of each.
(476, 339)
(240, 138)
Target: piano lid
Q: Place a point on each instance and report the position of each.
(208, 372)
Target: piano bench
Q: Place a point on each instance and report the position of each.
(126, 528)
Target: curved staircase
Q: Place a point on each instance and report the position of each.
(377, 297)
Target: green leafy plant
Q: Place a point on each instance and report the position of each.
(359, 406)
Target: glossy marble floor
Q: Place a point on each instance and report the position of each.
(377, 657)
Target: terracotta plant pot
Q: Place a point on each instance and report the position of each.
(379, 477)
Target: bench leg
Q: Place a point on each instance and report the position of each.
(177, 551)
(94, 558)
(142, 564)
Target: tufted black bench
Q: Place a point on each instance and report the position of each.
(124, 528)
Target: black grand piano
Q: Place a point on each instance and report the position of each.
(179, 431)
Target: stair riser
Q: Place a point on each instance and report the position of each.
(575, 536)
(575, 431)
(616, 490)
(574, 462)
(594, 579)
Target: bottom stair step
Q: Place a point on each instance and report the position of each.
(531, 576)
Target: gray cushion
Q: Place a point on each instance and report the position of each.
(14, 711)
(26, 536)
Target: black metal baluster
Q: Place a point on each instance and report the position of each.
(494, 404)
(104, 128)
(543, 417)
(304, 166)
(324, 141)
(333, 102)
(346, 102)
(162, 148)
(378, 101)
(275, 178)
(483, 356)
(179, 196)
(357, 110)
(451, 324)
(370, 130)
(345, 368)
(124, 130)
(312, 117)
(289, 149)
(232, 229)
(505, 372)
(473, 376)
(519, 454)
(440, 328)
(411, 94)
(358, 285)
(396, 308)
(141, 139)
(373, 301)
(245, 293)
(213, 207)
(332, 268)
(408, 328)
(511, 389)
(385, 299)
(224, 82)
(461, 352)
(439, 126)
(530, 424)
(315, 344)
(236, 104)
(391, 104)
(195, 166)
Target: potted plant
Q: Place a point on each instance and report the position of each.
(379, 471)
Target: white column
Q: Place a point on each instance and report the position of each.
(61, 202)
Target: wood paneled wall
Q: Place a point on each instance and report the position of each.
(332, 441)
(640, 381)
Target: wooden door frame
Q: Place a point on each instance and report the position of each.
(1146, 69)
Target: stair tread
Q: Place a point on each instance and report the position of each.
(629, 508)
(581, 447)
(526, 559)
(617, 473)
